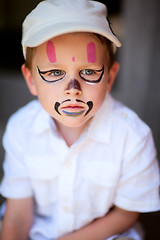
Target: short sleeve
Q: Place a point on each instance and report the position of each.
(138, 188)
(15, 182)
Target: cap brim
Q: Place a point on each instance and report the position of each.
(45, 33)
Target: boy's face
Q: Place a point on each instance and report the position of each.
(70, 77)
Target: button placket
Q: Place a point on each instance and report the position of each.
(66, 189)
(124, 115)
(68, 163)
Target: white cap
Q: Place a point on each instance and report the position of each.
(56, 17)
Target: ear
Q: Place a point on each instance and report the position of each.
(112, 75)
(29, 80)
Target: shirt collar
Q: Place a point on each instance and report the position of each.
(98, 130)
(42, 121)
(101, 124)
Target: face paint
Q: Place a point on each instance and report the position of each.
(73, 59)
(74, 114)
(78, 100)
(92, 76)
(51, 76)
(51, 52)
(91, 52)
(90, 105)
(74, 84)
(56, 106)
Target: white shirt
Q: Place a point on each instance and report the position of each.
(113, 163)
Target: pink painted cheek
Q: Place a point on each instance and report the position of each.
(51, 53)
(91, 52)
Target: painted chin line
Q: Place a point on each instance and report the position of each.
(73, 114)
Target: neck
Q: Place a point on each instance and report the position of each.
(70, 134)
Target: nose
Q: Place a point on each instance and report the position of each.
(73, 87)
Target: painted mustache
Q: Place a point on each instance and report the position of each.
(74, 84)
(89, 103)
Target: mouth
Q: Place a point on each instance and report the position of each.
(73, 110)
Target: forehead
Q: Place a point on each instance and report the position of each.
(72, 42)
(84, 37)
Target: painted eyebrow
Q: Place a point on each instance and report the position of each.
(51, 52)
(91, 52)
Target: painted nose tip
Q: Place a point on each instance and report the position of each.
(73, 87)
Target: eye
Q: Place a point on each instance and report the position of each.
(56, 73)
(87, 72)
(92, 76)
(52, 76)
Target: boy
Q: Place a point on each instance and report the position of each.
(78, 164)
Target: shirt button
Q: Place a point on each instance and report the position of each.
(123, 115)
(66, 209)
(68, 163)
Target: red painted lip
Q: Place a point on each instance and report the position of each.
(73, 106)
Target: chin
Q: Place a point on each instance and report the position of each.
(75, 123)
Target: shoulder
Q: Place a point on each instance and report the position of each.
(128, 120)
(125, 121)
(116, 121)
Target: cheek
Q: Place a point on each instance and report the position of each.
(97, 94)
(46, 92)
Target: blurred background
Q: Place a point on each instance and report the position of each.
(137, 25)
